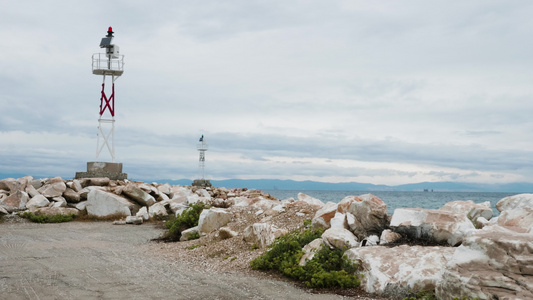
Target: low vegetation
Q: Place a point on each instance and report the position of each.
(36, 218)
(187, 219)
(328, 268)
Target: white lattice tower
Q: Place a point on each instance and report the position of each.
(202, 147)
(109, 64)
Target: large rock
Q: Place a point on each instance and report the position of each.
(310, 250)
(369, 210)
(324, 215)
(71, 196)
(515, 202)
(38, 201)
(310, 200)
(394, 271)
(431, 225)
(15, 202)
(102, 204)
(519, 220)
(54, 189)
(262, 234)
(53, 211)
(492, 263)
(212, 219)
(138, 195)
(187, 234)
(157, 209)
(96, 181)
(340, 238)
(472, 210)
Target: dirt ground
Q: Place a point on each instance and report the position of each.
(98, 260)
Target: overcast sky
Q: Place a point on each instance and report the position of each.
(383, 92)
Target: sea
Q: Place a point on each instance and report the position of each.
(397, 199)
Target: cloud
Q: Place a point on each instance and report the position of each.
(335, 91)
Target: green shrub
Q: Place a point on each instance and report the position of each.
(187, 219)
(421, 295)
(328, 268)
(48, 219)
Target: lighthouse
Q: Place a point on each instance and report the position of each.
(202, 147)
(109, 65)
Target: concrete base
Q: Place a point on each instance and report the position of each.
(201, 183)
(110, 170)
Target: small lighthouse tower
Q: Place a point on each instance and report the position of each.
(108, 65)
(202, 147)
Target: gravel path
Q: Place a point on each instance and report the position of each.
(98, 260)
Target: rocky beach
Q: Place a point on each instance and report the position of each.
(459, 250)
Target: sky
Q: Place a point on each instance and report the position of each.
(382, 92)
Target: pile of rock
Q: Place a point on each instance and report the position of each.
(459, 250)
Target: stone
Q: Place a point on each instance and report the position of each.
(54, 189)
(158, 209)
(138, 195)
(59, 202)
(15, 202)
(515, 202)
(81, 206)
(388, 236)
(431, 225)
(393, 271)
(96, 181)
(491, 263)
(134, 220)
(102, 204)
(262, 234)
(76, 185)
(242, 201)
(340, 238)
(212, 219)
(38, 201)
(3, 211)
(164, 188)
(32, 191)
(324, 215)
(71, 196)
(266, 204)
(310, 200)
(471, 209)
(369, 210)
(53, 211)
(188, 233)
(310, 250)
(372, 240)
(518, 219)
(143, 213)
(339, 221)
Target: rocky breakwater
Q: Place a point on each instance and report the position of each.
(459, 250)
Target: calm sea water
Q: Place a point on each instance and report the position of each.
(430, 200)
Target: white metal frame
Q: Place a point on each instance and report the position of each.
(202, 147)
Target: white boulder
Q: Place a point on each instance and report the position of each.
(471, 209)
(431, 224)
(394, 271)
(212, 219)
(262, 234)
(101, 204)
(309, 199)
(340, 238)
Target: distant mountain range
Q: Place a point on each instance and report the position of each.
(276, 184)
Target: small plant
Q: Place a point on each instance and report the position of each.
(255, 246)
(194, 236)
(328, 268)
(187, 219)
(233, 258)
(36, 218)
(192, 247)
(421, 295)
(307, 222)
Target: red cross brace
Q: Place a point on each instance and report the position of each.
(109, 103)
